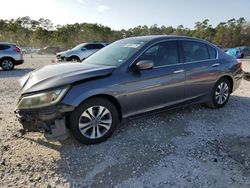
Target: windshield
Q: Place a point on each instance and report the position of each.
(78, 46)
(116, 53)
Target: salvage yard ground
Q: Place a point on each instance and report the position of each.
(193, 147)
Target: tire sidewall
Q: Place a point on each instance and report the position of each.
(75, 116)
(13, 65)
(213, 98)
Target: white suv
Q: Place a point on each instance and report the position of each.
(10, 56)
(80, 52)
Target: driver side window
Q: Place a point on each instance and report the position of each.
(164, 53)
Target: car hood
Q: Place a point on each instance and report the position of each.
(52, 76)
(69, 52)
(63, 53)
(60, 53)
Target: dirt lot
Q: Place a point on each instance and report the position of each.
(191, 147)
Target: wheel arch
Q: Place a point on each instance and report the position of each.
(74, 56)
(230, 79)
(7, 57)
(111, 99)
(79, 100)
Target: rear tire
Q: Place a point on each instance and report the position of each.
(220, 94)
(94, 121)
(7, 64)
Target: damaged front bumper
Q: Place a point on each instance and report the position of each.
(61, 58)
(50, 120)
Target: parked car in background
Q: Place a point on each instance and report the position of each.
(235, 52)
(29, 50)
(26, 50)
(10, 55)
(125, 79)
(50, 50)
(81, 51)
(244, 49)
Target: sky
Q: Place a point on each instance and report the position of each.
(124, 14)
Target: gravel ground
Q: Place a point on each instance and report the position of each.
(191, 147)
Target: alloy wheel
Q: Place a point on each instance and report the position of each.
(95, 122)
(222, 93)
(7, 64)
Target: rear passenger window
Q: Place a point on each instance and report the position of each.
(4, 47)
(164, 53)
(212, 52)
(194, 51)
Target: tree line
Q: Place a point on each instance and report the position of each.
(40, 33)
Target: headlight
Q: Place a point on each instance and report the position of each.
(42, 99)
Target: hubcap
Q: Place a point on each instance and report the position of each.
(7, 64)
(222, 93)
(95, 122)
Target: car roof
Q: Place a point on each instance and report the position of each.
(96, 42)
(7, 43)
(149, 38)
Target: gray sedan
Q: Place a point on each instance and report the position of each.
(130, 77)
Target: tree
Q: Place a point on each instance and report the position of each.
(42, 32)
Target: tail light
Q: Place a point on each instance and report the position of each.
(240, 63)
(18, 50)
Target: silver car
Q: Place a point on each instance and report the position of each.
(10, 55)
(81, 51)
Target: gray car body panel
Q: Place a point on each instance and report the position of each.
(54, 76)
(139, 92)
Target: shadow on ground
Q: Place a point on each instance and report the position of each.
(138, 145)
(17, 72)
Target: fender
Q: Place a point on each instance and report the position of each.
(7, 57)
(76, 95)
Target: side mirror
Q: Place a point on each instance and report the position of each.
(144, 65)
(83, 49)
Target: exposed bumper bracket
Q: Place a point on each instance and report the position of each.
(57, 131)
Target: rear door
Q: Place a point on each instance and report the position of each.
(201, 68)
(1, 50)
(4, 50)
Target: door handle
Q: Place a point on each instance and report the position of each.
(178, 71)
(216, 65)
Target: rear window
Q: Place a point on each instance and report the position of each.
(194, 51)
(4, 47)
(212, 52)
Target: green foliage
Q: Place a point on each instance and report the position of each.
(40, 33)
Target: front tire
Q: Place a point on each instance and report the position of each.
(74, 59)
(220, 94)
(94, 121)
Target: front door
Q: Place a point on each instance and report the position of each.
(158, 87)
